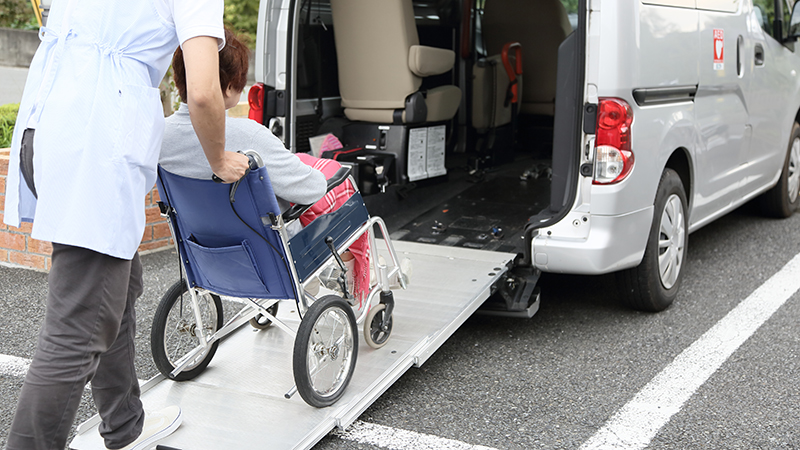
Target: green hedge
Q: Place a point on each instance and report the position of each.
(241, 16)
(18, 14)
(8, 117)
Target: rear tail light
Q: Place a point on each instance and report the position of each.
(255, 98)
(613, 156)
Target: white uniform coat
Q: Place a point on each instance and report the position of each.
(92, 96)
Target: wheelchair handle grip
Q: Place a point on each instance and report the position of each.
(254, 161)
(338, 178)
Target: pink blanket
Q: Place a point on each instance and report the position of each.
(331, 202)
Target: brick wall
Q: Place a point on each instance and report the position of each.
(19, 249)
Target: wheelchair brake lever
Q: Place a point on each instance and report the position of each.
(343, 277)
(329, 242)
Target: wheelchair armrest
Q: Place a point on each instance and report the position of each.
(297, 210)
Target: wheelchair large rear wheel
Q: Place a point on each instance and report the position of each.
(175, 331)
(325, 351)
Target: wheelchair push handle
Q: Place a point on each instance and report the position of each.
(254, 162)
(338, 178)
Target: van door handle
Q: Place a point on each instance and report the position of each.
(759, 55)
(739, 56)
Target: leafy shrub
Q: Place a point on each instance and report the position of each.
(241, 16)
(17, 14)
(8, 117)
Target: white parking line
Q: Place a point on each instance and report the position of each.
(636, 423)
(13, 366)
(396, 439)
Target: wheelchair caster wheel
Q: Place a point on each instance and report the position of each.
(375, 334)
(175, 331)
(260, 322)
(325, 351)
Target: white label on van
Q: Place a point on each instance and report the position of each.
(719, 49)
(417, 147)
(436, 144)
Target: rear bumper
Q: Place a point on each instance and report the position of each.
(613, 243)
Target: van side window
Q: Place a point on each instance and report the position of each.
(317, 72)
(765, 12)
(787, 17)
(572, 12)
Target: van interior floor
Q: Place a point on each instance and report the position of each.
(487, 210)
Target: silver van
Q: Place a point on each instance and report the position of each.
(585, 136)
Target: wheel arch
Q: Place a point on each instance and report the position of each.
(681, 162)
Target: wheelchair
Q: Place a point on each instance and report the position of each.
(233, 243)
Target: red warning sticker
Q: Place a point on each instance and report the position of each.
(719, 49)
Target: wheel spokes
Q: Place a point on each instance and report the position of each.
(330, 350)
(794, 171)
(672, 237)
(183, 335)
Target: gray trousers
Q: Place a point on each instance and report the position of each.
(87, 336)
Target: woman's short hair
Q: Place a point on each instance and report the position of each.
(233, 65)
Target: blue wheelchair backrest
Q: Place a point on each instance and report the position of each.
(239, 256)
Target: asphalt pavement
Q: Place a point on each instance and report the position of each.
(551, 381)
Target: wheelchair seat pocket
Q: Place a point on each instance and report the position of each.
(227, 270)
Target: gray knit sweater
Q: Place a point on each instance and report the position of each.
(291, 180)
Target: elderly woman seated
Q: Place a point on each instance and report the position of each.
(182, 154)
(294, 178)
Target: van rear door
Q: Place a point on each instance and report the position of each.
(271, 62)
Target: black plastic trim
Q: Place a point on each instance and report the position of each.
(664, 95)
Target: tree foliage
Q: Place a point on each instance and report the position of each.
(17, 14)
(241, 16)
(570, 5)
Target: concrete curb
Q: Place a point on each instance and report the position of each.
(18, 47)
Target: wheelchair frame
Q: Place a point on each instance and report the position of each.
(376, 318)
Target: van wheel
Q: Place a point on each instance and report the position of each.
(782, 200)
(654, 283)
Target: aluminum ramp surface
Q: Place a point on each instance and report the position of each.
(238, 401)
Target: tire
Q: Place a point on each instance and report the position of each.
(375, 337)
(783, 200)
(260, 322)
(654, 283)
(173, 333)
(325, 351)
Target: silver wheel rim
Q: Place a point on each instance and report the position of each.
(330, 350)
(671, 241)
(181, 334)
(794, 170)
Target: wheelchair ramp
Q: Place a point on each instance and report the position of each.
(238, 402)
